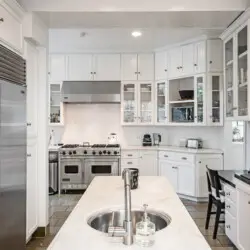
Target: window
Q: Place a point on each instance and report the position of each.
(238, 131)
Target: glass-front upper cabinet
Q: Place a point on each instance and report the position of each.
(161, 102)
(129, 103)
(145, 110)
(242, 81)
(229, 77)
(200, 111)
(215, 102)
(55, 104)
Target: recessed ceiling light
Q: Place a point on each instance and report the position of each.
(136, 33)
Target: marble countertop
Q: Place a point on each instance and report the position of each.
(174, 149)
(229, 176)
(108, 192)
(54, 148)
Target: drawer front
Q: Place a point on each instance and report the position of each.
(230, 207)
(231, 227)
(130, 154)
(230, 193)
(129, 163)
(180, 157)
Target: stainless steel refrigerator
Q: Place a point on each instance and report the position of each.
(12, 151)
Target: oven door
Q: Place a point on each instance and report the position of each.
(72, 171)
(100, 167)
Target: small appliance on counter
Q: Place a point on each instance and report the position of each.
(156, 139)
(147, 140)
(194, 143)
(112, 138)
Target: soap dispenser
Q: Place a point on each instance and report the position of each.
(145, 230)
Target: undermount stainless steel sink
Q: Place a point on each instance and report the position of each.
(103, 220)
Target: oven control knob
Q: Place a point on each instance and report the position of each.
(63, 153)
(104, 151)
(85, 152)
(109, 153)
(115, 152)
(93, 153)
(70, 153)
(74, 152)
(100, 153)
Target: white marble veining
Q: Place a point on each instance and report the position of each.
(175, 149)
(108, 192)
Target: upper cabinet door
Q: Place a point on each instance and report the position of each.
(200, 57)
(57, 68)
(161, 66)
(146, 67)
(200, 99)
(107, 67)
(174, 62)
(129, 69)
(187, 60)
(215, 55)
(80, 67)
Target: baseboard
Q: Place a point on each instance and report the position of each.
(191, 198)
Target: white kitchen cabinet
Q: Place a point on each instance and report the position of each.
(137, 67)
(148, 163)
(161, 103)
(57, 68)
(214, 59)
(145, 67)
(200, 57)
(243, 208)
(200, 99)
(32, 190)
(137, 103)
(231, 227)
(187, 66)
(215, 99)
(107, 67)
(129, 69)
(161, 66)
(80, 67)
(170, 171)
(174, 62)
(11, 32)
(186, 179)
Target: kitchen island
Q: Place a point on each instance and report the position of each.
(108, 193)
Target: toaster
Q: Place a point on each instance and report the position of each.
(194, 143)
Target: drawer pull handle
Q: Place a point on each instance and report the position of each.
(184, 158)
(228, 193)
(1, 20)
(249, 202)
(28, 155)
(228, 226)
(166, 156)
(130, 162)
(228, 206)
(130, 155)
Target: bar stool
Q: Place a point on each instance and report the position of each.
(216, 197)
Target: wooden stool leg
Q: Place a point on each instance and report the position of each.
(217, 219)
(209, 210)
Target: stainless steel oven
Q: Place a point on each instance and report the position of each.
(72, 173)
(100, 166)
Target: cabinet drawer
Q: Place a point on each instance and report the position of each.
(129, 163)
(230, 193)
(180, 157)
(231, 227)
(10, 29)
(230, 207)
(130, 154)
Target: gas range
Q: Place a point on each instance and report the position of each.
(73, 150)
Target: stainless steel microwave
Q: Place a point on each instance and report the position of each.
(183, 114)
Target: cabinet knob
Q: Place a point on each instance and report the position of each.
(228, 206)
(249, 202)
(195, 64)
(165, 70)
(1, 20)
(139, 73)
(28, 124)
(210, 62)
(136, 73)
(28, 155)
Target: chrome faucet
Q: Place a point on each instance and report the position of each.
(127, 231)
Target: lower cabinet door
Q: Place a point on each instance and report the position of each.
(186, 179)
(148, 163)
(231, 227)
(170, 171)
(32, 188)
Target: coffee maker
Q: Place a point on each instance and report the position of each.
(156, 139)
(147, 140)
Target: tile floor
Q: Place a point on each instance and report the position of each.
(60, 208)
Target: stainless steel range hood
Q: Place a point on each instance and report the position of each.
(91, 92)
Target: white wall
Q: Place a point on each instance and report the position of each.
(94, 122)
